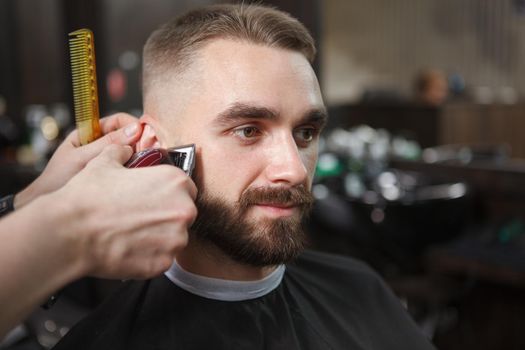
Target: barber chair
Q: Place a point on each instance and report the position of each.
(397, 216)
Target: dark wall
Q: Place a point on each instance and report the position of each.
(9, 77)
(32, 55)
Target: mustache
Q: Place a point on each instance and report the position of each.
(295, 196)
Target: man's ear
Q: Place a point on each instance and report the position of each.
(149, 138)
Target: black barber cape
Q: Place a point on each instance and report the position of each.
(323, 302)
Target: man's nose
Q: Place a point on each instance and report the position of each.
(285, 165)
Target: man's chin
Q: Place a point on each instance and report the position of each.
(252, 234)
(263, 242)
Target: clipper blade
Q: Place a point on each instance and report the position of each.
(85, 94)
(183, 157)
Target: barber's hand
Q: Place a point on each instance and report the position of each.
(129, 222)
(69, 158)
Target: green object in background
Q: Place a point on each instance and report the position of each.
(511, 230)
(328, 165)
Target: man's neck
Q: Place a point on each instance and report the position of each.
(209, 261)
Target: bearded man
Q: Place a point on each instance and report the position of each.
(237, 81)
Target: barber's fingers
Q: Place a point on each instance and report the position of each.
(116, 121)
(110, 125)
(72, 138)
(124, 136)
(115, 153)
(192, 188)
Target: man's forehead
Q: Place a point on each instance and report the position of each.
(240, 72)
(237, 62)
(227, 74)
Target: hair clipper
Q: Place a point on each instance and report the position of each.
(182, 157)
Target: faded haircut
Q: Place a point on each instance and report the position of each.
(171, 47)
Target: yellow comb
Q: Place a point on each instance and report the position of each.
(85, 95)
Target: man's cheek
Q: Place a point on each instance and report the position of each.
(310, 161)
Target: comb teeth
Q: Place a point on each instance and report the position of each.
(85, 95)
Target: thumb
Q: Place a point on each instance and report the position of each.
(115, 153)
(123, 136)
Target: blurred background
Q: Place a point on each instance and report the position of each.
(422, 167)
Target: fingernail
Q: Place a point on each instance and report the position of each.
(131, 130)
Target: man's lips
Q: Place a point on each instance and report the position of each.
(277, 209)
(278, 205)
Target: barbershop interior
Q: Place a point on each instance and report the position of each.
(421, 166)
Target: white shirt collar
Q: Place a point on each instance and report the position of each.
(224, 290)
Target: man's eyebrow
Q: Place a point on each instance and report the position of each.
(318, 116)
(242, 111)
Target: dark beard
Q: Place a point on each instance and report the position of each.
(267, 242)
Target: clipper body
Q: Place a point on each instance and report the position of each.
(182, 157)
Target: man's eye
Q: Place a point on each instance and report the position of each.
(305, 135)
(247, 132)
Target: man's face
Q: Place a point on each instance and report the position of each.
(255, 114)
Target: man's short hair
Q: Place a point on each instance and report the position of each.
(171, 47)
